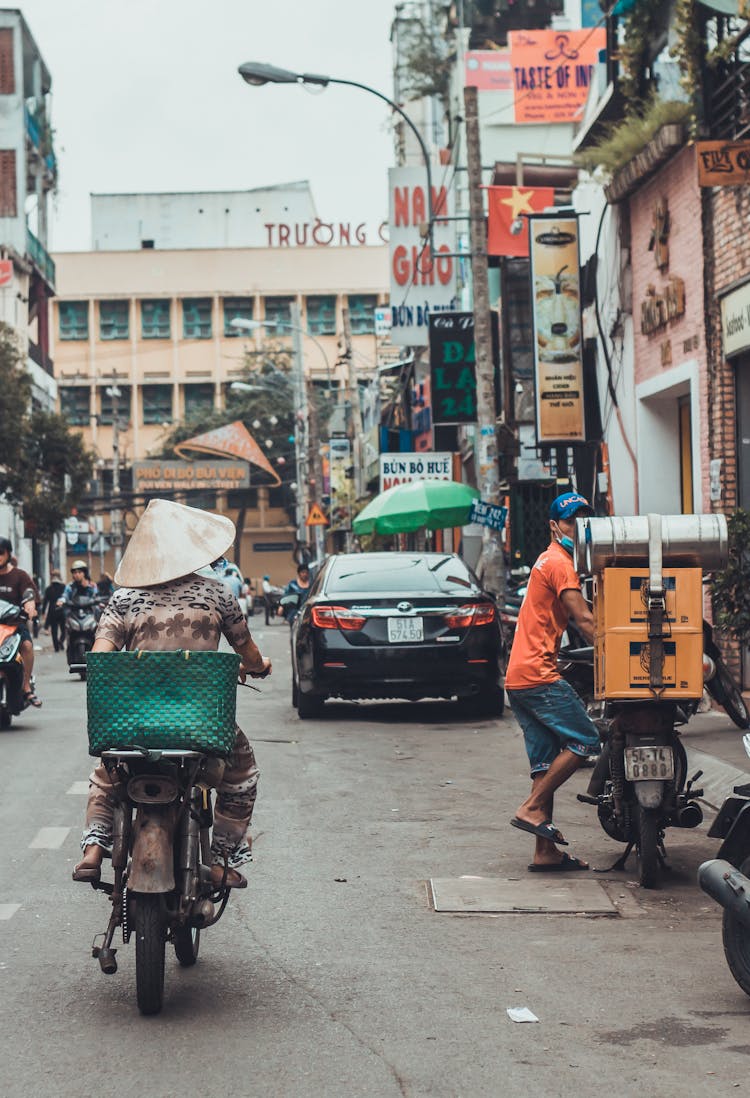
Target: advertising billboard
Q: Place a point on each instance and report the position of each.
(420, 283)
(552, 72)
(556, 314)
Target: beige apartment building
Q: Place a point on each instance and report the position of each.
(158, 323)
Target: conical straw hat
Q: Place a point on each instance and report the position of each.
(170, 541)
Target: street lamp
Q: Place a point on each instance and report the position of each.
(243, 325)
(257, 73)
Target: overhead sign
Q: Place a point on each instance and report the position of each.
(187, 476)
(316, 517)
(405, 468)
(341, 474)
(488, 70)
(488, 514)
(453, 383)
(556, 314)
(723, 163)
(420, 283)
(6, 272)
(735, 321)
(552, 72)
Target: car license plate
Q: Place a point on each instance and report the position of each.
(644, 764)
(405, 630)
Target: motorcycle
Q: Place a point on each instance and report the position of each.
(639, 784)
(82, 615)
(162, 889)
(726, 878)
(720, 681)
(11, 666)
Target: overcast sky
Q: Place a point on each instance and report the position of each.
(146, 97)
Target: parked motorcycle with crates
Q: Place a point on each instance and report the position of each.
(163, 724)
(647, 672)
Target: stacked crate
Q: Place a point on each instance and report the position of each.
(622, 646)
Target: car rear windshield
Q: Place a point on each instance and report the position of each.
(407, 575)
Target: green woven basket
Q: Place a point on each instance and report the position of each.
(181, 700)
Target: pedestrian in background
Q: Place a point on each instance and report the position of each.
(295, 593)
(558, 732)
(54, 620)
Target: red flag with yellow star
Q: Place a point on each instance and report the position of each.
(506, 206)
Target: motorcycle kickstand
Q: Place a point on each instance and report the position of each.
(104, 953)
(621, 862)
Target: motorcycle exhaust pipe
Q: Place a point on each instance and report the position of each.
(689, 815)
(107, 961)
(724, 883)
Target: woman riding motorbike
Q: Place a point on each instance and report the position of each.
(163, 605)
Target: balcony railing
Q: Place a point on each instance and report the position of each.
(35, 354)
(729, 105)
(41, 258)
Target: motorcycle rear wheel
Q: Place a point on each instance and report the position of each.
(150, 945)
(736, 940)
(186, 941)
(647, 846)
(727, 693)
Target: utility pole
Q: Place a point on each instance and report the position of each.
(115, 524)
(300, 424)
(353, 419)
(492, 562)
(315, 463)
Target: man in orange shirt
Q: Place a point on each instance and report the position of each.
(558, 732)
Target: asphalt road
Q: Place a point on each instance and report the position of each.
(331, 975)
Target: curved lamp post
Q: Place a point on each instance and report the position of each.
(243, 325)
(257, 73)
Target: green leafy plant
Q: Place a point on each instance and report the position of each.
(624, 140)
(44, 466)
(731, 588)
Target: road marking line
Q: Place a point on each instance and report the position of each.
(77, 788)
(49, 838)
(7, 911)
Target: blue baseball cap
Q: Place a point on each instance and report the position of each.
(567, 505)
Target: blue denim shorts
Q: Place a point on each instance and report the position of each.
(553, 717)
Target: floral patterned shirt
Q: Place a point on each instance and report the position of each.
(190, 613)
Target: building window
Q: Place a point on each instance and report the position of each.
(236, 308)
(321, 315)
(74, 405)
(157, 403)
(362, 313)
(278, 310)
(114, 319)
(7, 72)
(8, 198)
(198, 399)
(74, 320)
(155, 323)
(106, 405)
(196, 318)
(243, 497)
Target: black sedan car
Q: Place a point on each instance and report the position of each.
(397, 625)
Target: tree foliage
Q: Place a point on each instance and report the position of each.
(731, 588)
(44, 466)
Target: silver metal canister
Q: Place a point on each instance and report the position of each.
(698, 540)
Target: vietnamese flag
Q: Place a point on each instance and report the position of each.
(509, 204)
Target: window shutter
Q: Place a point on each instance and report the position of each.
(8, 199)
(7, 75)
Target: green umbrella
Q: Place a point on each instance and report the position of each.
(434, 504)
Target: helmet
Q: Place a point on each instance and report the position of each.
(80, 566)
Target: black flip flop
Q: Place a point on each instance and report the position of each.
(546, 830)
(568, 864)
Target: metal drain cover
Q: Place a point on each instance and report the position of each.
(530, 896)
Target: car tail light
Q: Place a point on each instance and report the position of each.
(470, 615)
(336, 617)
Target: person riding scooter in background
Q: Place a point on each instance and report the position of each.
(82, 608)
(80, 582)
(295, 593)
(17, 586)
